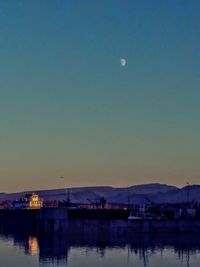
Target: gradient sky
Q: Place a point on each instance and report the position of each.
(68, 108)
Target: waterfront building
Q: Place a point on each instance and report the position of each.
(35, 202)
(29, 201)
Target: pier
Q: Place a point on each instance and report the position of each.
(57, 220)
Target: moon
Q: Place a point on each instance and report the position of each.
(123, 62)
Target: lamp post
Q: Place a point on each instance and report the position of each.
(188, 192)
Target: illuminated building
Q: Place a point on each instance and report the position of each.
(35, 202)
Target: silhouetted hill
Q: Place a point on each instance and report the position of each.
(156, 192)
(191, 193)
(147, 189)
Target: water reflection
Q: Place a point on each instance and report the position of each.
(33, 245)
(56, 249)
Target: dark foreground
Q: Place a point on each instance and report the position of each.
(58, 221)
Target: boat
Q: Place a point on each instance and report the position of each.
(143, 214)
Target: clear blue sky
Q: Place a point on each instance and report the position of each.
(68, 108)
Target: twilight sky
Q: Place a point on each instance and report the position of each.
(68, 108)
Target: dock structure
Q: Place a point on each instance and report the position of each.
(54, 220)
(34, 220)
(133, 226)
(58, 220)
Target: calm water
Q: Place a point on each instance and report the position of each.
(107, 251)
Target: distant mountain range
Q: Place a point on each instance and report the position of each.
(158, 193)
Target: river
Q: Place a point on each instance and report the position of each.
(100, 250)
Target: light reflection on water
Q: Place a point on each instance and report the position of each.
(89, 250)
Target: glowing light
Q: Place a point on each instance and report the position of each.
(123, 62)
(33, 246)
(35, 202)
